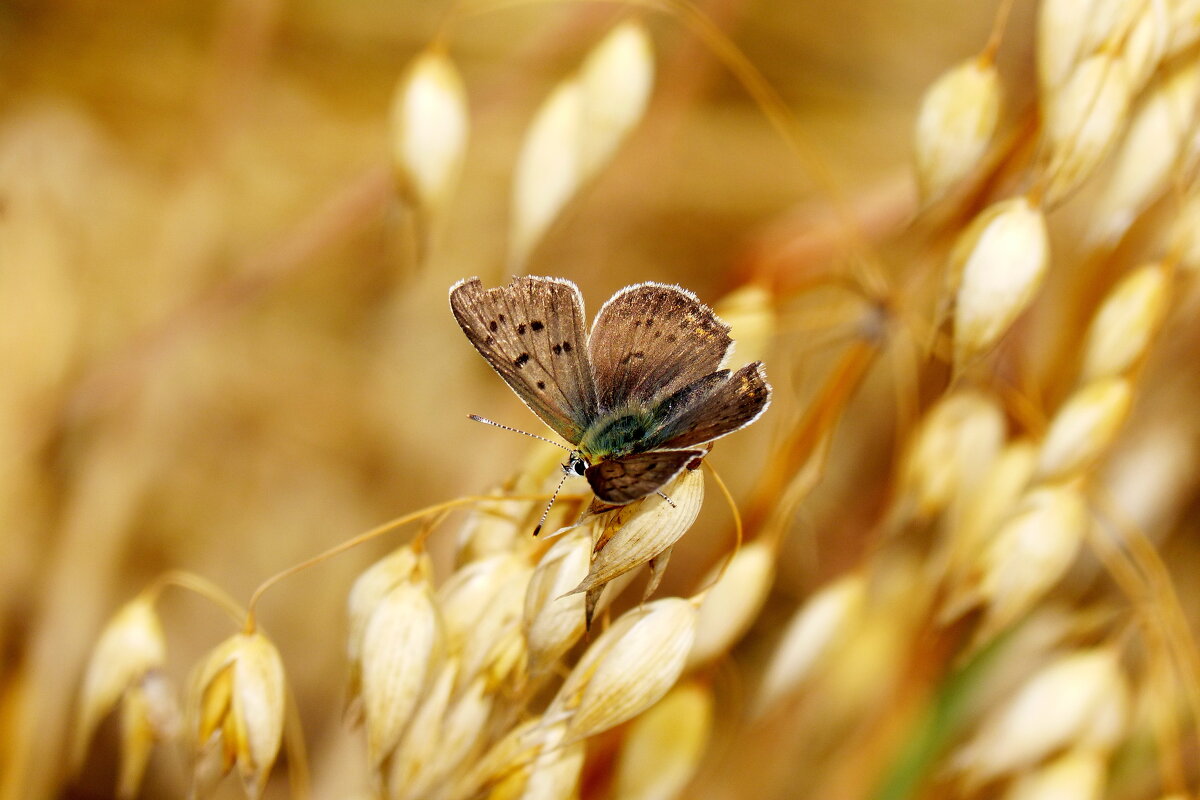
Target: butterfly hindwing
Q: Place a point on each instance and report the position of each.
(623, 480)
(730, 405)
(531, 332)
(651, 340)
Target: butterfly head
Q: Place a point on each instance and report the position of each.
(577, 464)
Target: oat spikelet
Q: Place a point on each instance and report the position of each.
(1076, 775)
(1030, 552)
(554, 619)
(1152, 148)
(663, 747)
(628, 668)
(1123, 326)
(236, 710)
(997, 267)
(399, 648)
(955, 124)
(732, 603)
(1082, 121)
(576, 131)
(810, 634)
(429, 128)
(130, 648)
(1078, 700)
(1084, 427)
(635, 533)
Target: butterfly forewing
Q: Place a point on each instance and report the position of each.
(650, 340)
(623, 480)
(731, 405)
(532, 333)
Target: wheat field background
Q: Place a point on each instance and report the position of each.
(225, 347)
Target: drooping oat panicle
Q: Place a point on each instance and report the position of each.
(553, 615)
(811, 633)
(996, 270)
(628, 668)
(576, 131)
(463, 732)
(130, 648)
(955, 124)
(400, 647)
(951, 450)
(1079, 700)
(1082, 122)
(429, 128)
(732, 603)
(1123, 326)
(635, 533)
(1084, 427)
(236, 709)
(662, 748)
(1075, 775)
(1030, 552)
(1151, 150)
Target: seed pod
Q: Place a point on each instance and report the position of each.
(662, 748)
(576, 131)
(1084, 427)
(732, 603)
(1002, 260)
(955, 444)
(1031, 551)
(1083, 120)
(641, 530)
(1064, 704)
(1149, 152)
(628, 668)
(130, 647)
(553, 619)
(236, 708)
(399, 647)
(1076, 775)
(1125, 322)
(429, 128)
(955, 124)
(810, 634)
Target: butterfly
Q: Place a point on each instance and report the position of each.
(639, 398)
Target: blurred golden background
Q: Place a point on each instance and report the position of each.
(223, 349)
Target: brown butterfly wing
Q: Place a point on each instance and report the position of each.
(531, 332)
(730, 405)
(623, 480)
(650, 340)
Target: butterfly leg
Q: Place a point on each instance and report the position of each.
(670, 502)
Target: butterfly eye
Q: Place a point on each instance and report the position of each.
(579, 465)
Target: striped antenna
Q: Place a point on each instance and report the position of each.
(550, 505)
(487, 421)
